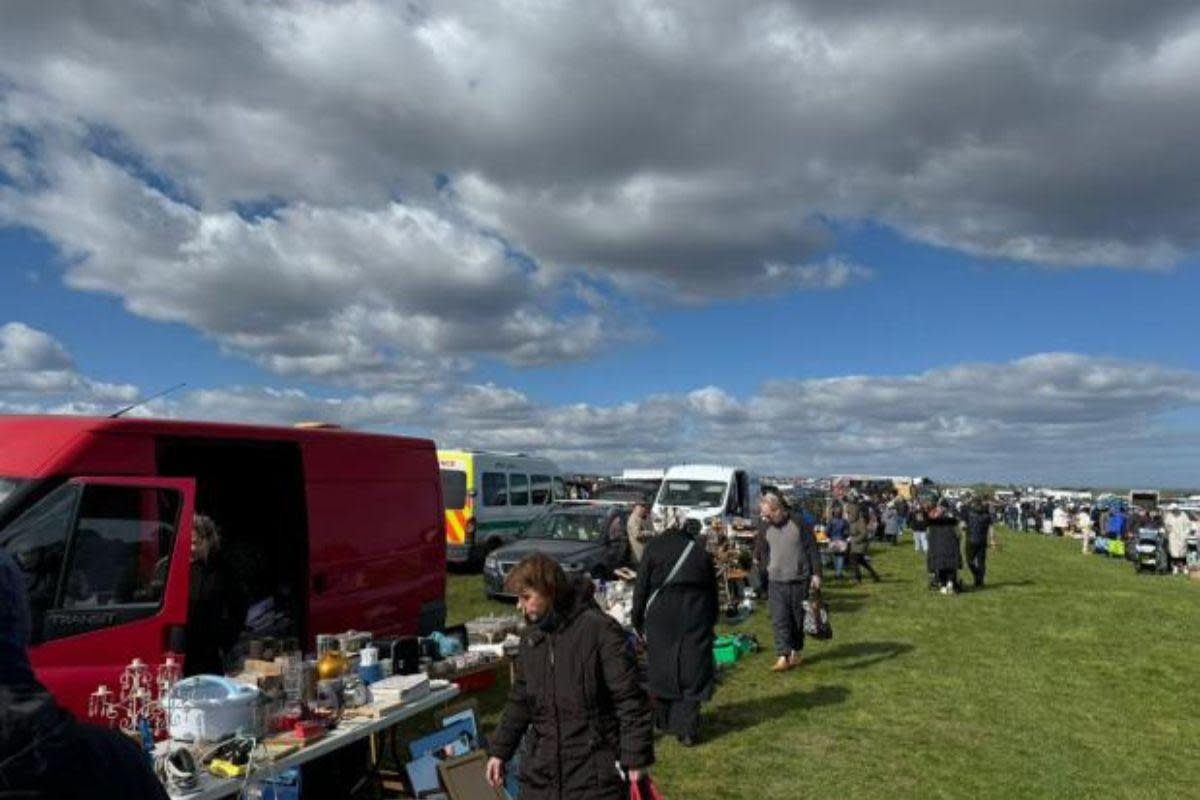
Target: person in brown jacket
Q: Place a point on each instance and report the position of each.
(575, 692)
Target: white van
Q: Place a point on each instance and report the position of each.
(490, 497)
(715, 495)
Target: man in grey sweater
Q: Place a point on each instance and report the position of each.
(788, 549)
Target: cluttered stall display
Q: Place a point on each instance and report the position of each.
(249, 733)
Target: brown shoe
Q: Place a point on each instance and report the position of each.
(782, 664)
(795, 659)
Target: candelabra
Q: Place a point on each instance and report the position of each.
(140, 699)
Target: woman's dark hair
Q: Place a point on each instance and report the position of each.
(542, 574)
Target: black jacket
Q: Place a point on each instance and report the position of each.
(679, 625)
(944, 552)
(979, 522)
(216, 614)
(810, 554)
(46, 755)
(576, 692)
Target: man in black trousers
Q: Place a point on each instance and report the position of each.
(788, 549)
(979, 527)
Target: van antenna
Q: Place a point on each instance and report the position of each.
(147, 400)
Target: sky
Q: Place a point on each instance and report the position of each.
(956, 239)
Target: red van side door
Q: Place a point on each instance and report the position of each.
(122, 589)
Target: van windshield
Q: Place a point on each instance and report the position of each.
(697, 494)
(8, 489)
(454, 488)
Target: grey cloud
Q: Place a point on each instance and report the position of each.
(675, 141)
(1054, 417)
(1055, 133)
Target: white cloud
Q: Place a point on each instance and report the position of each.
(34, 367)
(1057, 417)
(397, 293)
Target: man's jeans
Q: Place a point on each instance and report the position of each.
(786, 604)
(921, 541)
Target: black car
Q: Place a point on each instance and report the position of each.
(583, 536)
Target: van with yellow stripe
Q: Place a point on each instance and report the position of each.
(490, 497)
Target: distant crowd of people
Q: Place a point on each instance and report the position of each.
(1112, 520)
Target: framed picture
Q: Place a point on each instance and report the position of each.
(451, 740)
(423, 777)
(463, 712)
(465, 778)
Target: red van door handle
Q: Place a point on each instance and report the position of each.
(318, 583)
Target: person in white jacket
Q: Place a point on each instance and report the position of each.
(1179, 527)
(1083, 521)
(1061, 520)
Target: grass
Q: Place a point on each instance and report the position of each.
(1069, 676)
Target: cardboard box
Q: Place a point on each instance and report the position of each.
(260, 667)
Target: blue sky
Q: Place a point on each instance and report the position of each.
(872, 240)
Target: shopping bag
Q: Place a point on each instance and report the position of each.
(816, 618)
(645, 790)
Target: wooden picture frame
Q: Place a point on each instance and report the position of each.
(465, 778)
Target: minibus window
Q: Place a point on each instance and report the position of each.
(541, 489)
(37, 541)
(495, 489)
(454, 489)
(519, 489)
(121, 547)
(560, 489)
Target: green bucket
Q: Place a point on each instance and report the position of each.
(725, 650)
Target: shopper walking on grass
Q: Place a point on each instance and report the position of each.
(857, 555)
(979, 532)
(839, 540)
(1178, 529)
(891, 524)
(920, 527)
(575, 689)
(675, 609)
(789, 550)
(944, 559)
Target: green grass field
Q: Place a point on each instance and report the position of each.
(1069, 676)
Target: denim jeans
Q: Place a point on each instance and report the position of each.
(839, 563)
(920, 541)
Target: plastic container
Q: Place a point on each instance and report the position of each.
(209, 708)
(725, 650)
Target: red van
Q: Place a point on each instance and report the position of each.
(337, 529)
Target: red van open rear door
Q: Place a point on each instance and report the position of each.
(120, 548)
